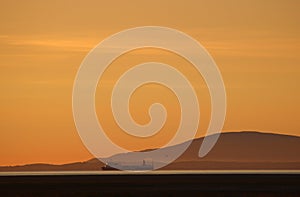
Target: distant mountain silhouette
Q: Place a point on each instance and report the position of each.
(244, 150)
(249, 146)
(93, 164)
(233, 150)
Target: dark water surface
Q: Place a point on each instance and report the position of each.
(154, 183)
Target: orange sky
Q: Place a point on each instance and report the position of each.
(255, 43)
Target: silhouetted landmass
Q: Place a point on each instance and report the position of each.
(233, 151)
(78, 166)
(244, 151)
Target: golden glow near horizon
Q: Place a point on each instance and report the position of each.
(255, 43)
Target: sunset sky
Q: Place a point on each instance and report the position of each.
(256, 45)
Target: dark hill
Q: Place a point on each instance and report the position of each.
(234, 150)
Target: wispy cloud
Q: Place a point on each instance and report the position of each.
(71, 44)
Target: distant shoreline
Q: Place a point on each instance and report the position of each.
(157, 172)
